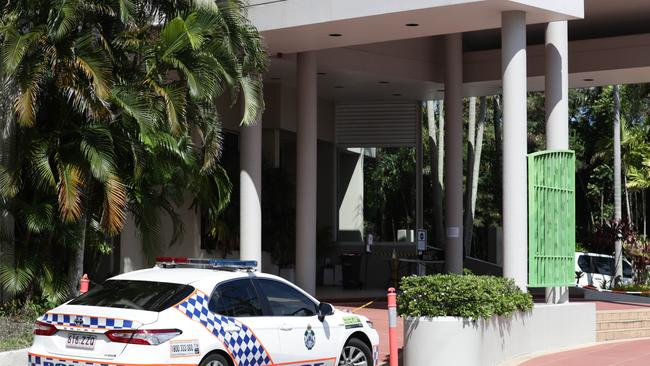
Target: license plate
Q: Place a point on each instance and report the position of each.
(81, 341)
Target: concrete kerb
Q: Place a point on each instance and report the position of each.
(14, 358)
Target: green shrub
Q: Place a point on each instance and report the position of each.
(633, 288)
(466, 296)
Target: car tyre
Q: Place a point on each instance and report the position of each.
(215, 359)
(355, 353)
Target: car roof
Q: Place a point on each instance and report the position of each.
(183, 276)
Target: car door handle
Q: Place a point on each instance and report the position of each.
(231, 328)
(285, 327)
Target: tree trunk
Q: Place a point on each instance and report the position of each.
(498, 161)
(476, 167)
(438, 225)
(441, 146)
(77, 259)
(618, 244)
(628, 209)
(644, 213)
(471, 141)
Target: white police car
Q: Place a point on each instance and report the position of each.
(201, 312)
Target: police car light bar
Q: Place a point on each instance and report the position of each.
(232, 264)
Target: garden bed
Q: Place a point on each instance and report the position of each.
(15, 332)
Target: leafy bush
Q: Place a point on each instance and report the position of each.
(633, 288)
(467, 296)
(16, 322)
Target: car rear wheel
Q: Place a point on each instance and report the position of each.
(215, 359)
(355, 353)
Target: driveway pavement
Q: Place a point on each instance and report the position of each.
(621, 353)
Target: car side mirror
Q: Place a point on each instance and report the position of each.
(324, 309)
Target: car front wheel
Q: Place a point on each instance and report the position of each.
(355, 353)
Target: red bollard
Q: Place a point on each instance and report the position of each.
(83, 284)
(392, 326)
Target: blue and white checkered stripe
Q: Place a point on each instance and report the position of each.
(89, 321)
(245, 348)
(34, 360)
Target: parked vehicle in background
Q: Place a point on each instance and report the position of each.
(598, 270)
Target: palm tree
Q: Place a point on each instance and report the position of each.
(116, 111)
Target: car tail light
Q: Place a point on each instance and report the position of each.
(44, 329)
(149, 337)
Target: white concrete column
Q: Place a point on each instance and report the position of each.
(250, 193)
(306, 161)
(556, 88)
(515, 211)
(454, 153)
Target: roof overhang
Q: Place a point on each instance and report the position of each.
(290, 26)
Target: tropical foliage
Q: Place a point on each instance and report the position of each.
(114, 105)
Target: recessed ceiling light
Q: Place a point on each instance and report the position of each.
(338, 87)
(397, 94)
(383, 82)
(321, 73)
(335, 34)
(588, 79)
(412, 25)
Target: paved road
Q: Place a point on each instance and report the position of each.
(377, 312)
(627, 353)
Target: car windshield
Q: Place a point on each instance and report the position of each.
(138, 295)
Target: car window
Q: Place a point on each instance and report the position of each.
(603, 265)
(583, 263)
(285, 300)
(139, 295)
(236, 298)
(627, 270)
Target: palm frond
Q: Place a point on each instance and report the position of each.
(175, 103)
(67, 18)
(39, 158)
(253, 99)
(114, 212)
(10, 182)
(15, 46)
(16, 279)
(70, 188)
(97, 147)
(92, 64)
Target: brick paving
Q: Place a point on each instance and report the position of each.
(377, 312)
(627, 353)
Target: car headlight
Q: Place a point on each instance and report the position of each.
(370, 324)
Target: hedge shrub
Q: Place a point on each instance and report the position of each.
(467, 296)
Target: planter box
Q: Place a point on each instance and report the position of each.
(464, 342)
